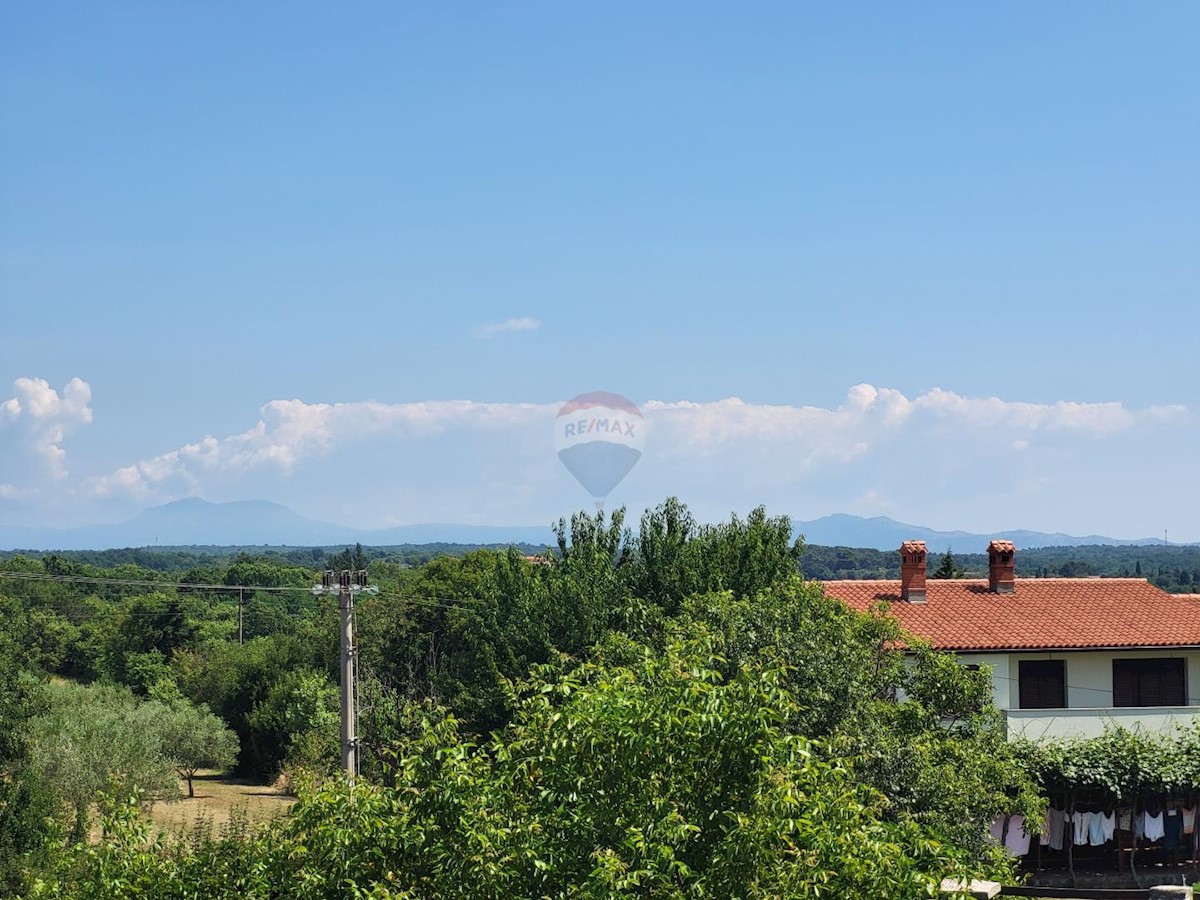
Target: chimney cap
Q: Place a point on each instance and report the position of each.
(1002, 547)
(913, 547)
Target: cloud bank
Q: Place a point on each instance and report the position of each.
(938, 454)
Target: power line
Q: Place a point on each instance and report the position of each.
(134, 582)
(417, 599)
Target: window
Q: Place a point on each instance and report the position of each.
(1043, 684)
(1149, 682)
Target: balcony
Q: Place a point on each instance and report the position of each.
(1039, 724)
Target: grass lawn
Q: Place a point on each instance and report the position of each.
(217, 797)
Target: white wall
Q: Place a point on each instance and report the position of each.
(999, 664)
(1041, 724)
(1089, 674)
(1089, 692)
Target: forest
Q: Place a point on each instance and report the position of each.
(1174, 568)
(672, 710)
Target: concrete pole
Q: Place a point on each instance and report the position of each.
(349, 736)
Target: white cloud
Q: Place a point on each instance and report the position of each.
(524, 323)
(292, 431)
(763, 446)
(872, 409)
(35, 422)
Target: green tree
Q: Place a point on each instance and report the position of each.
(232, 680)
(947, 567)
(301, 706)
(643, 773)
(100, 738)
(193, 739)
(26, 804)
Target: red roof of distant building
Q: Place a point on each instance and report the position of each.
(1040, 614)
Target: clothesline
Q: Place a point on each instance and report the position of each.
(1171, 825)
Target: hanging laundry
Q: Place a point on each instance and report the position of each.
(997, 830)
(1096, 829)
(1017, 839)
(1052, 829)
(1172, 831)
(1110, 824)
(1189, 820)
(1125, 820)
(1079, 823)
(1152, 826)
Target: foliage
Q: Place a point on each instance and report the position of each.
(99, 738)
(1174, 568)
(657, 777)
(948, 568)
(1119, 765)
(235, 680)
(193, 738)
(26, 805)
(302, 706)
(699, 720)
(926, 733)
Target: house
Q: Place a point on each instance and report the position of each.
(1067, 655)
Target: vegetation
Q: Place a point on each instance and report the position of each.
(1120, 765)
(948, 567)
(669, 711)
(1174, 568)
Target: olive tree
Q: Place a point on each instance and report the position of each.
(193, 739)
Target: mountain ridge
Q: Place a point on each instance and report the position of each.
(193, 521)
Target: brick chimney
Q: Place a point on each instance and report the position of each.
(1002, 556)
(912, 571)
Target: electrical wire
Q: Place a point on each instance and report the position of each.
(419, 600)
(415, 599)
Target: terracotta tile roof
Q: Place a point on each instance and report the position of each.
(1042, 613)
(912, 547)
(1002, 547)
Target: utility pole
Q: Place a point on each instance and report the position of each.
(349, 584)
(241, 606)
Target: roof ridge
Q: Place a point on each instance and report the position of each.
(1034, 578)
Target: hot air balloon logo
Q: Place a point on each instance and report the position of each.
(599, 438)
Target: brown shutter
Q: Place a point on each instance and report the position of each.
(1042, 684)
(1173, 683)
(1124, 683)
(1149, 682)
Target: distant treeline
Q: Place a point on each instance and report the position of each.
(1173, 568)
(179, 559)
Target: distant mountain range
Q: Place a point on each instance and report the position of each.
(882, 533)
(251, 523)
(193, 522)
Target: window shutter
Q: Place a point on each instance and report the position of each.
(1149, 682)
(1124, 681)
(1055, 686)
(1030, 695)
(1173, 685)
(1042, 684)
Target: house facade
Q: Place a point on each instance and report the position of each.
(1066, 655)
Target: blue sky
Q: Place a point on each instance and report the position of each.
(208, 208)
